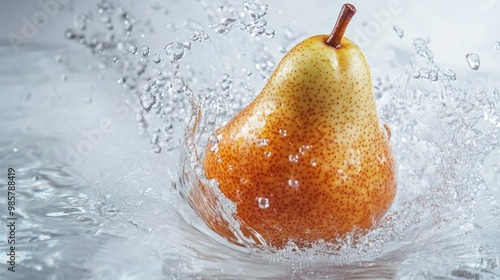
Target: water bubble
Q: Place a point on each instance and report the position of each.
(313, 162)
(415, 73)
(178, 84)
(187, 45)
(270, 33)
(157, 58)
(263, 202)
(174, 51)
(267, 154)
(155, 137)
(243, 180)
(156, 149)
(70, 34)
(293, 158)
(399, 31)
(283, 132)
(257, 28)
(495, 211)
(433, 75)
(199, 36)
(497, 45)
(226, 82)
(255, 10)
(473, 61)
(496, 96)
(59, 58)
(450, 74)
(303, 149)
(15, 150)
(225, 25)
(127, 26)
(262, 142)
(424, 73)
(115, 59)
(132, 49)
(122, 80)
(419, 42)
(145, 51)
(147, 101)
(293, 183)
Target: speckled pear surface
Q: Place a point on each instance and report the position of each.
(308, 159)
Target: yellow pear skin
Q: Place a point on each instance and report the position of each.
(308, 159)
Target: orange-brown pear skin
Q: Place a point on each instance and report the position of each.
(308, 159)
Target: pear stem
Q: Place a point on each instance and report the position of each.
(348, 10)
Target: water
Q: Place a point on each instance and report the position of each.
(106, 131)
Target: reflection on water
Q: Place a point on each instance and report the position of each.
(121, 211)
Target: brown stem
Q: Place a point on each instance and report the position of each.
(348, 10)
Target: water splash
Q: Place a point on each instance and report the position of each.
(443, 136)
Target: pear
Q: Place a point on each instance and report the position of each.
(308, 159)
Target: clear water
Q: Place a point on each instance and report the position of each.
(105, 128)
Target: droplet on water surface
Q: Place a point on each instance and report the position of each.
(263, 202)
(473, 61)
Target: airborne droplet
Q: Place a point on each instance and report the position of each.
(132, 49)
(174, 51)
(497, 45)
(157, 58)
(145, 51)
(450, 73)
(473, 61)
(399, 31)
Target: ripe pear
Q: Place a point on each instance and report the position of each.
(308, 159)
